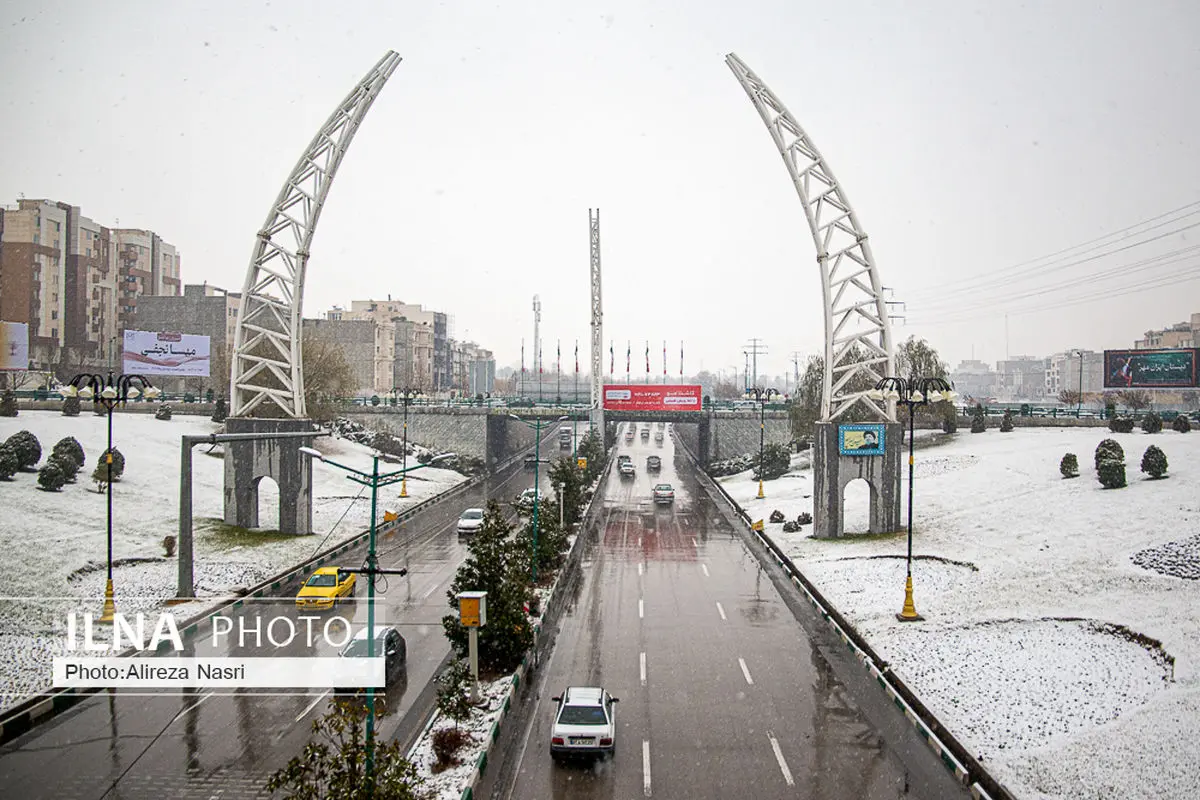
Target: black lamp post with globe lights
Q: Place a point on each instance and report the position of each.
(109, 392)
(762, 396)
(406, 396)
(912, 392)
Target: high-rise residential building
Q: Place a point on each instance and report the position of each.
(202, 310)
(76, 282)
(428, 359)
(974, 380)
(1065, 369)
(472, 369)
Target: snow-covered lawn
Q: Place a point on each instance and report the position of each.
(1041, 596)
(54, 543)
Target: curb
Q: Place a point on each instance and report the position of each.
(27, 714)
(965, 768)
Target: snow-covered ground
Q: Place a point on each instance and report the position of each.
(54, 543)
(1041, 597)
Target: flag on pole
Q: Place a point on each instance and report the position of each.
(647, 357)
(612, 359)
(522, 356)
(664, 360)
(576, 356)
(628, 355)
(540, 353)
(558, 356)
(681, 361)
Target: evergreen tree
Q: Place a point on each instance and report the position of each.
(569, 479)
(8, 404)
(1152, 423)
(978, 420)
(497, 566)
(66, 464)
(51, 477)
(221, 411)
(9, 463)
(775, 462)
(592, 448)
(70, 446)
(1110, 449)
(70, 407)
(1006, 422)
(453, 687)
(118, 465)
(1069, 466)
(163, 412)
(27, 448)
(949, 417)
(1111, 473)
(1154, 462)
(1181, 424)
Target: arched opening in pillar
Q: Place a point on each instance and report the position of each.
(856, 507)
(266, 492)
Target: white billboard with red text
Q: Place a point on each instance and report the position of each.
(651, 397)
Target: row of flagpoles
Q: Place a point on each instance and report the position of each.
(611, 360)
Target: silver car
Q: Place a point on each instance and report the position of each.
(585, 724)
(470, 522)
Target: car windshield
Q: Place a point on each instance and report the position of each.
(358, 648)
(663, 487)
(473, 514)
(582, 715)
(325, 579)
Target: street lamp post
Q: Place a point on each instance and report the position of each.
(763, 396)
(537, 463)
(407, 395)
(912, 393)
(375, 480)
(1079, 408)
(108, 392)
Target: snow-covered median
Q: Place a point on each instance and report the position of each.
(55, 542)
(1062, 630)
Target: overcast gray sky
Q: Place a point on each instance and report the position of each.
(970, 137)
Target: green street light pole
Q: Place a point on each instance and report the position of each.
(537, 463)
(1079, 408)
(375, 480)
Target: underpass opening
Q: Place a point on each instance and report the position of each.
(266, 498)
(857, 500)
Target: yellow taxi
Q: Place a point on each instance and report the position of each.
(324, 587)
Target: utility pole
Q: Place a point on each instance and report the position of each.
(796, 368)
(756, 346)
(537, 341)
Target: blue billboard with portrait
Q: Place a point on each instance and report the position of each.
(861, 439)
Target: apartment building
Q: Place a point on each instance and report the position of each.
(974, 380)
(1179, 335)
(203, 310)
(76, 282)
(1065, 369)
(1022, 378)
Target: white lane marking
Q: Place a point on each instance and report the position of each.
(694, 542)
(640, 566)
(705, 568)
(646, 766)
(641, 609)
(639, 543)
(721, 610)
(746, 671)
(643, 660)
(311, 706)
(783, 767)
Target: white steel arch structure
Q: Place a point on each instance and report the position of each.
(856, 318)
(267, 352)
(597, 411)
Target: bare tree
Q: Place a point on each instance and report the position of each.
(327, 376)
(1137, 399)
(1069, 397)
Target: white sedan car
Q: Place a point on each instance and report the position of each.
(585, 724)
(470, 522)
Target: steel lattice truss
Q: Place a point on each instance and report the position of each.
(597, 415)
(266, 345)
(858, 333)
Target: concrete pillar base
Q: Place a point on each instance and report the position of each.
(247, 462)
(832, 471)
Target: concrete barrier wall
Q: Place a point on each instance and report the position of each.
(460, 430)
(734, 433)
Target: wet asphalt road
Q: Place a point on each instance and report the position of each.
(722, 693)
(213, 744)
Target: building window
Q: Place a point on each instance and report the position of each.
(54, 315)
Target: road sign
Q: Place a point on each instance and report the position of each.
(581, 462)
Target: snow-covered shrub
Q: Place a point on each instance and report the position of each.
(118, 465)
(51, 477)
(221, 411)
(9, 463)
(950, 422)
(978, 420)
(1154, 462)
(732, 466)
(169, 546)
(27, 448)
(1121, 424)
(1110, 449)
(163, 412)
(70, 446)
(446, 744)
(1069, 466)
(775, 462)
(777, 516)
(1006, 422)
(8, 403)
(805, 518)
(791, 526)
(1111, 473)
(1181, 424)
(1152, 423)
(67, 465)
(70, 407)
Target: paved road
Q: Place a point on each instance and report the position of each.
(207, 743)
(722, 693)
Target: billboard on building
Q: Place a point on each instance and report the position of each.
(861, 439)
(651, 397)
(14, 345)
(1150, 369)
(154, 353)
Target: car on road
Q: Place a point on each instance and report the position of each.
(325, 586)
(629, 434)
(646, 433)
(585, 724)
(658, 437)
(653, 463)
(470, 522)
(626, 468)
(525, 500)
(664, 494)
(388, 643)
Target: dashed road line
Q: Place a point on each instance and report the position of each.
(783, 767)
(641, 568)
(694, 542)
(646, 766)
(641, 609)
(746, 671)
(705, 568)
(721, 610)
(642, 658)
